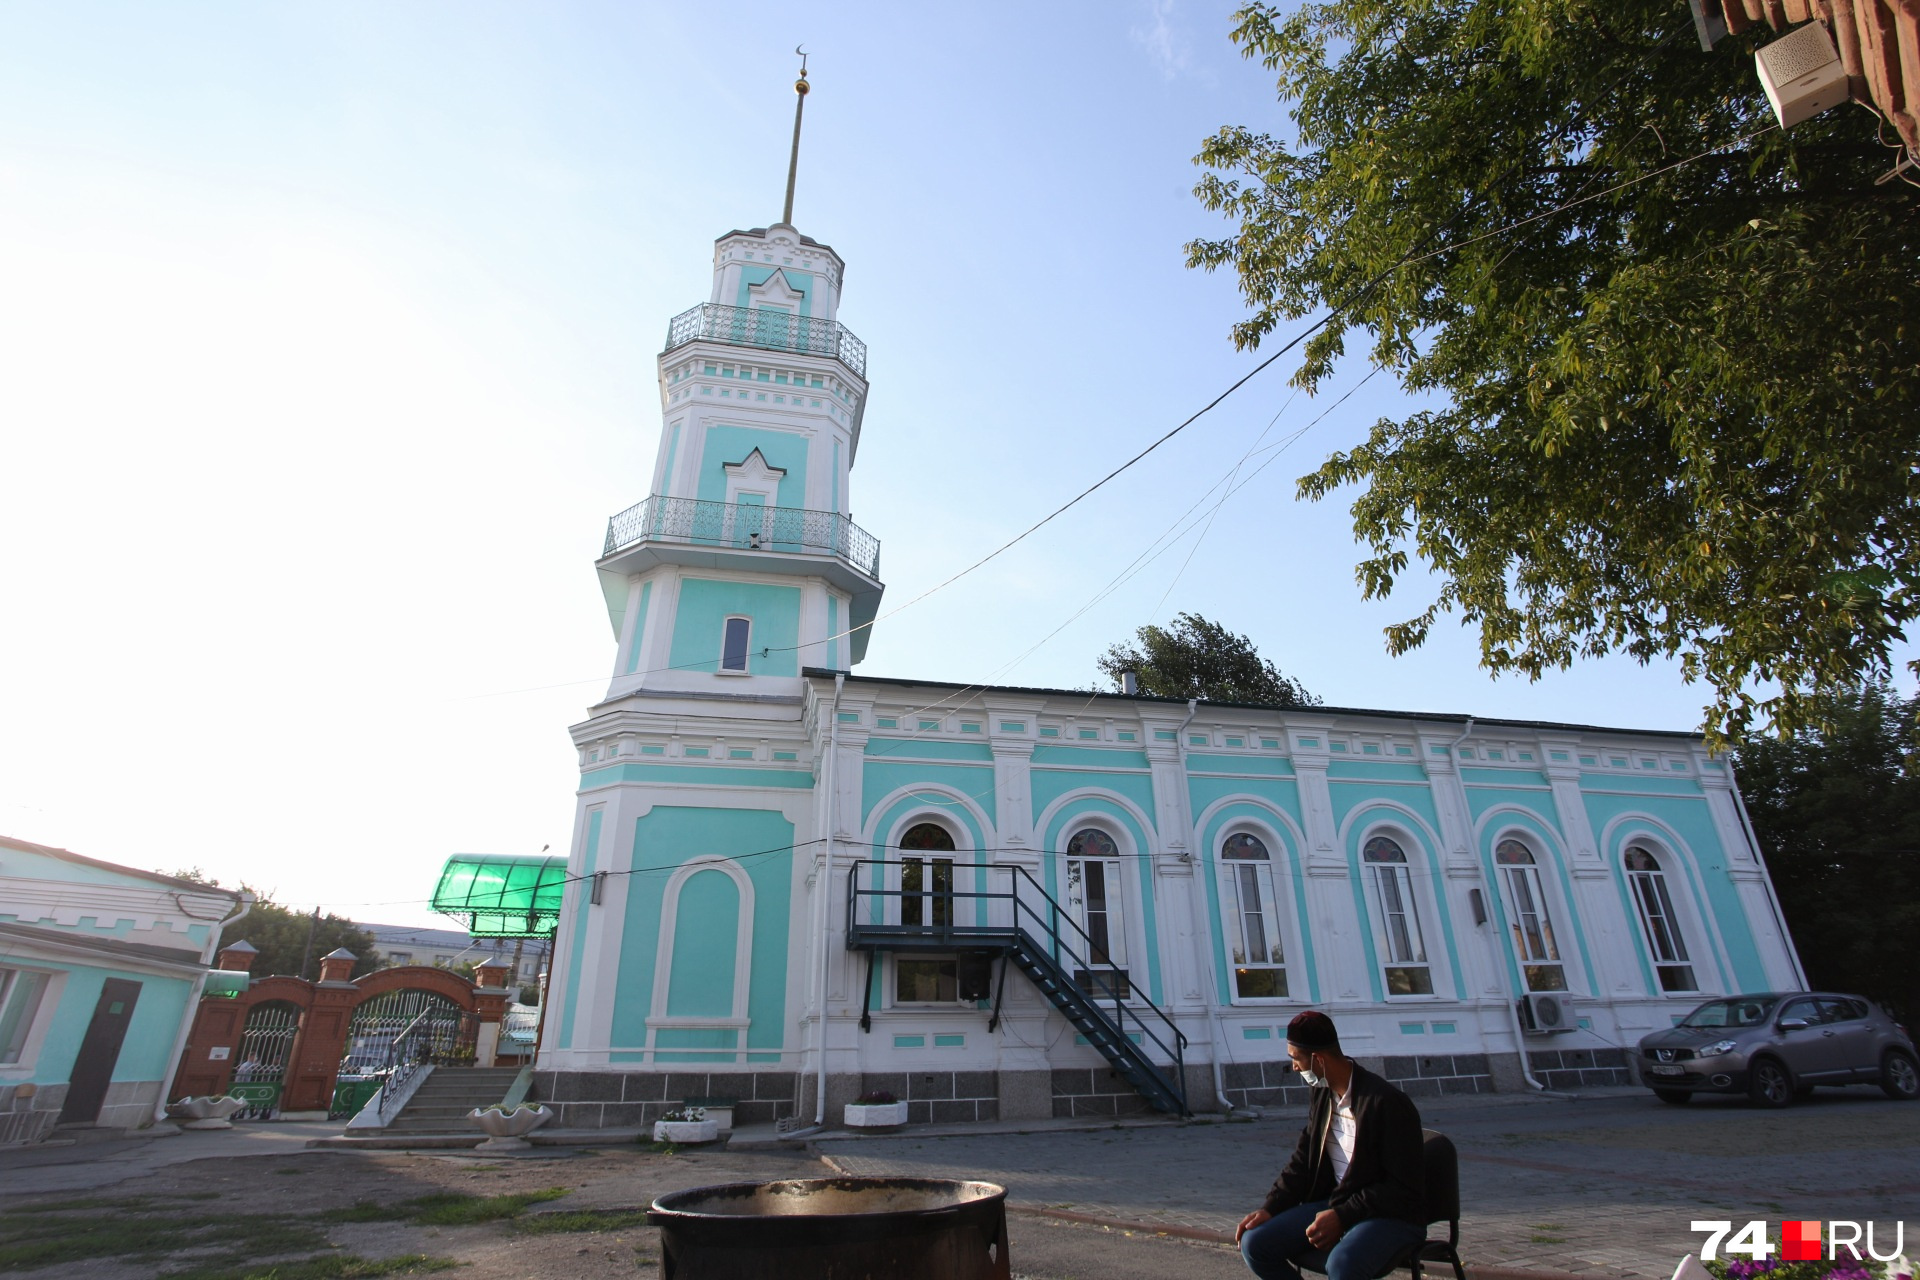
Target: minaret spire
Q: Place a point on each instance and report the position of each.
(799, 106)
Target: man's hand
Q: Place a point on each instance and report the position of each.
(1249, 1222)
(1325, 1230)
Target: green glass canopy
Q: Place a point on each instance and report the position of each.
(502, 895)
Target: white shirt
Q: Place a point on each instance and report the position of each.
(1340, 1133)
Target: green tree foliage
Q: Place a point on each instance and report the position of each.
(280, 935)
(1837, 813)
(1679, 407)
(1194, 658)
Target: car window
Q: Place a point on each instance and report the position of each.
(1841, 1009)
(1805, 1008)
(1728, 1013)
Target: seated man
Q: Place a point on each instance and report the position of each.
(1351, 1197)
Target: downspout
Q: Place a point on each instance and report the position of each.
(207, 956)
(1513, 1006)
(1766, 878)
(1203, 929)
(823, 912)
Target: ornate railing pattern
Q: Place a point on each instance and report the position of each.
(769, 330)
(746, 527)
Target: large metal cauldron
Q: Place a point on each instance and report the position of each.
(835, 1229)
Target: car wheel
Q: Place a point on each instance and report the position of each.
(1769, 1085)
(1899, 1077)
(1678, 1097)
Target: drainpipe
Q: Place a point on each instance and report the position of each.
(207, 956)
(1766, 878)
(824, 912)
(1513, 1006)
(1203, 929)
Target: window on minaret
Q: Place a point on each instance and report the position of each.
(1404, 958)
(1531, 922)
(1252, 918)
(1658, 922)
(733, 645)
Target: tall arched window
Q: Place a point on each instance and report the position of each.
(1533, 942)
(1404, 963)
(1094, 900)
(926, 884)
(1658, 922)
(1253, 919)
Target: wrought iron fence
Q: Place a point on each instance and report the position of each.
(747, 527)
(769, 330)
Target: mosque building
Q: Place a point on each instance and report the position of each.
(793, 885)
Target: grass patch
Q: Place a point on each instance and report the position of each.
(581, 1220)
(44, 1236)
(334, 1267)
(447, 1209)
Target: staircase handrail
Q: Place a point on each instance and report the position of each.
(947, 933)
(402, 1062)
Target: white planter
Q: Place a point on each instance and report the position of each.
(874, 1115)
(207, 1112)
(686, 1131)
(507, 1130)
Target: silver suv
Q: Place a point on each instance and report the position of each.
(1777, 1047)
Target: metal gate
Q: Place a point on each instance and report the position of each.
(435, 1029)
(266, 1043)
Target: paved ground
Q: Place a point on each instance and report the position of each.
(1607, 1185)
(1603, 1186)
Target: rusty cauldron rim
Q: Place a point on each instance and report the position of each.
(799, 1227)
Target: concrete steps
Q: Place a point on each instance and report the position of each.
(442, 1103)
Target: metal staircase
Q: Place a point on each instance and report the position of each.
(1022, 925)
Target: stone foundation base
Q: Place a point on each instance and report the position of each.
(29, 1112)
(635, 1099)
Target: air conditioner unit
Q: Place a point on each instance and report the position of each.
(1802, 74)
(1548, 1012)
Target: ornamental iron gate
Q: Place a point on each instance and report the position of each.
(266, 1045)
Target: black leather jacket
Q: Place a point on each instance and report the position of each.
(1386, 1177)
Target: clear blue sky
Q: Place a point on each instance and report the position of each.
(327, 338)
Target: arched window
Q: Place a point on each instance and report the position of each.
(1253, 918)
(1533, 943)
(1658, 922)
(1404, 963)
(1094, 901)
(926, 884)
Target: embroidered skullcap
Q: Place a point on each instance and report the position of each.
(1313, 1031)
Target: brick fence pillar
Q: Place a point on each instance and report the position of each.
(322, 1041)
(207, 1061)
(490, 1000)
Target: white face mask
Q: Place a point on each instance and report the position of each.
(1306, 1074)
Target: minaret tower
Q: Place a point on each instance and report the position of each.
(744, 565)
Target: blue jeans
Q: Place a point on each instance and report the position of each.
(1277, 1248)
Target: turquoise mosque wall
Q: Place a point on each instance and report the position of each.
(760, 841)
(783, 449)
(705, 604)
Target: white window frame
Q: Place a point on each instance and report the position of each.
(891, 989)
(746, 648)
(1527, 875)
(1231, 879)
(1656, 880)
(30, 1029)
(1119, 897)
(1408, 891)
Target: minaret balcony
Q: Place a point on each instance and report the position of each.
(741, 534)
(769, 330)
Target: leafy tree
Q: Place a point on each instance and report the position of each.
(280, 935)
(1837, 814)
(1679, 393)
(1194, 658)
